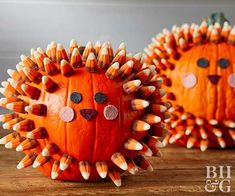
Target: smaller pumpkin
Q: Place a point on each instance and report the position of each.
(197, 63)
(85, 115)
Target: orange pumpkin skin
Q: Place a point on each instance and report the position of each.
(203, 112)
(84, 140)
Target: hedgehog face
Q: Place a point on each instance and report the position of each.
(84, 115)
(197, 66)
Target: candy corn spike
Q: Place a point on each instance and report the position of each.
(7, 93)
(7, 117)
(232, 134)
(158, 93)
(16, 85)
(9, 137)
(203, 27)
(85, 169)
(199, 121)
(178, 135)
(132, 168)
(42, 52)
(151, 119)
(4, 101)
(76, 58)
(49, 84)
(36, 109)
(53, 47)
(183, 44)
(112, 71)
(27, 161)
(32, 74)
(167, 64)
(27, 62)
(16, 106)
(32, 54)
(24, 125)
(31, 91)
(120, 57)
(73, 44)
(48, 50)
(215, 36)
(126, 69)
(225, 31)
(39, 59)
(40, 160)
(14, 74)
(157, 108)
(50, 67)
(137, 61)
(55, 172)
(143, 75)
(119, 160)
(102, 169)
(131, 86)
(132, 144)
(189, 129)
(50, 149)
(166, 140)
(139, 104)
(217, 132)
(11, 123)
(115, 177)
(110, 49)
(66, 68)
(38, 133)
(61, 53)
(19, 68)
(65, 162)
(152, 141)
(26, 145)
(97, 47)
(159, 131)
(122, 46)
(140, 125)
(197, 38)
(204, 145)
(88, 49)
(229, 124)
(91, 63)
(141, 162)
(203, 133)
(146, 151)
(191, 141)
(146, 91)
(221, 142)
(13, 143)
(9, 88)
(104, 59)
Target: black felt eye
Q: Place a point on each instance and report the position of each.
(223, 63)
(203, 62)
(76, 97)
(100, 97)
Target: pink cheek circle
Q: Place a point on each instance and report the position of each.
(66, 114)
(231, 80)
(189, 80)
(110, 112)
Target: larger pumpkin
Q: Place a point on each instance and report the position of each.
(197, 64)
(84, 115)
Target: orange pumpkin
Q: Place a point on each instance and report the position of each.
(84, 115)
(197, 65)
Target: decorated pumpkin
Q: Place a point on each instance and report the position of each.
(197, 65)
(86, 114)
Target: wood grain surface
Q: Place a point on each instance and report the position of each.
(178, 172)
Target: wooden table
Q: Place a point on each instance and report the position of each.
(179, 172)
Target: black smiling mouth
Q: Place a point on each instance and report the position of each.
(214, 79)
(88, 113)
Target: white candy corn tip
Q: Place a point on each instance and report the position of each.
(20, 166)
(36, 164)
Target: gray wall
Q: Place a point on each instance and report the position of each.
(32, 23)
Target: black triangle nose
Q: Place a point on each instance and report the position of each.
(88, 114)
(214, 79)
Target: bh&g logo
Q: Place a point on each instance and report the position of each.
(218, 177)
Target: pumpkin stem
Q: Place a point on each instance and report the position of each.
(217, 17)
